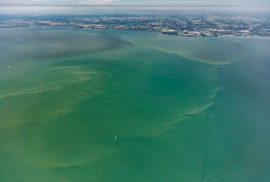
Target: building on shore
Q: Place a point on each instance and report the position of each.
(169, 31)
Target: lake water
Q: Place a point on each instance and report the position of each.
(127, 106)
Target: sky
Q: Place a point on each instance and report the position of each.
(220, 3)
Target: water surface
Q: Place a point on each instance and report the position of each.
(103, 105)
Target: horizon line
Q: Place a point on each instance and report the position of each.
(130, 5)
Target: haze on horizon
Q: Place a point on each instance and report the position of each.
(191, 3)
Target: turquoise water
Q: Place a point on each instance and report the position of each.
(103, 105)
